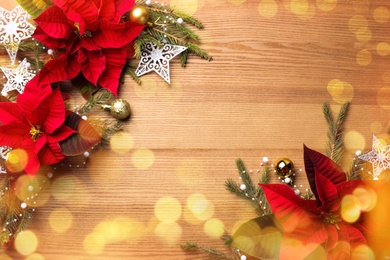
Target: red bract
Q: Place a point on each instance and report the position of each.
(35, 125)
(91, 38)
(309, 224)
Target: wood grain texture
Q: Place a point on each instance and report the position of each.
(262, 95)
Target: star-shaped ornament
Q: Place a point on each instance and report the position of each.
(156, 59)
(17, 78)
(13, 29)
(379, 157)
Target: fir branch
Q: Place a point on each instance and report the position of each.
(334, 146)
(188, 18)
(265, 175)
(195, 49)
(355, 169)
(190, 246)
(246, 179)
(100, 98)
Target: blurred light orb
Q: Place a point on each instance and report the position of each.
(26, 242)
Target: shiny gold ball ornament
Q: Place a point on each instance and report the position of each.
(285, 169)
(139, 14)
(119, 108)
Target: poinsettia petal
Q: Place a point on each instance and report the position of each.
(54, 23)
(324, 166)
(32, 96)
(56, 114)
(115, 60)
(13, 135)
(48, 40)
(64, 67)
(39, 143)
(113, 10)
(349, 238)
(51, 154)
(10, 113)
(327, 193)
(61, 134)
(33, 164)
(111, 35)
(81, 12)
(92, 65)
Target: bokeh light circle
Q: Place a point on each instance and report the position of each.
(167, 209)
(26, 242)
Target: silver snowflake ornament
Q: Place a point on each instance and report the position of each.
(17, 78)
(156, 59)
(13, 29)
(379, 157)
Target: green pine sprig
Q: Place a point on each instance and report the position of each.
(334, 146)
(211, 252)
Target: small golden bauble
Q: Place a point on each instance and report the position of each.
(139, 14)
(285, 168)
(119, 108)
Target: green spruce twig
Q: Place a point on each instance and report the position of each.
(334, 146)
(355, 169)
(190, 246)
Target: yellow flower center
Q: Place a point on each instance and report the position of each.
(35, 133)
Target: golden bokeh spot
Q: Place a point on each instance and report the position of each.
(170, 93)
(360, 6)
(16, 160)
(26, 242)
(94, 244)
(121, 142)
(357, 22)
(381, 14)
(34, 192)
(189, 217)
(311, 11)
(167, 209)
(146, 89)
(133, 230)
(383, 97)
(354, 141)
(363, 57)
(376, 127)
(200, 206)
(143, 158)
(64, 187)
(350, 208)
(111, 231)
(214, 228)
(363, 35)
(4, 256)
(268, 8)
(237, 2)
(340, 91)
(326, 5)
(299, 7)
(60, 220)
(190, 172)
(383, 48)
(366, 197)
(169, 232)
(34, 256)
(362, 252)
(188, 6)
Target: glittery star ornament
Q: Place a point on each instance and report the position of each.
(379, 157)
(156, 59)
(17, 78)
(13, 29)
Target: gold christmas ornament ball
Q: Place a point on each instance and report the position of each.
(119, 108)
(284, 167)
(139, 14)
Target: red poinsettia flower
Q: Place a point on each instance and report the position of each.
(319, 226)
(92, 38)
(34, 125)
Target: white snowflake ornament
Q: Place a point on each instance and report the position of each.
(13, 29)
(156, 59)
(16, 78)
(379, 157)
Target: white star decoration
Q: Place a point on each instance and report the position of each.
(4, 150)
(13, 29)
(379, 157)
(153, 58)
(17, 78)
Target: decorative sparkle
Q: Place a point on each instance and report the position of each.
(379, 157)
(156, 59)
(13, 29)
(17, 78)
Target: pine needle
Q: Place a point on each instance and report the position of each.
(334, 146)
(355, 169)
(211, 252)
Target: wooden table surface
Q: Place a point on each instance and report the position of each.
(160, 182)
